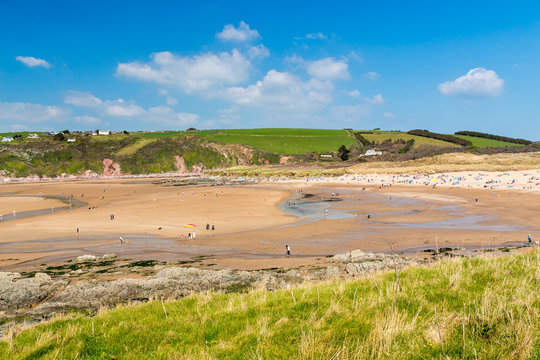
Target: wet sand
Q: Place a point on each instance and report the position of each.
(254, 222)
(9, 203)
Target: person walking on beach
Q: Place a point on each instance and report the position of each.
(189, 236)
(207, 227)
(121, 240)
(78, 234)
(288, 250)
(193, 236)
(213, 227)
(530, 239)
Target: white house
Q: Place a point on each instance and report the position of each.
(103, 132)
(71, 140)
(7, 139)
(33, 136)
(371, 152)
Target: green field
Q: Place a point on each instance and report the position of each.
(282, 141)
(483, 143)
(476, 308)
(379, 137)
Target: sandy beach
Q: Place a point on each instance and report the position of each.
(253, 221)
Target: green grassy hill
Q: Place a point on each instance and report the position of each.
(477, 308)
(151, 152)
(283, 141)
(483, 142)
(280, 141)
(136, 155)
(380, 136)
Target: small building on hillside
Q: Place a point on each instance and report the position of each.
(103, 132)
(71, 140)
(7, 139)
(33, 136)
(372, 152)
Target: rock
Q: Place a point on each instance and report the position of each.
(26, 293)
(361, 263)
(86, 258)
(332, 271)
(8, 276)
(109, 256)
(173, 282)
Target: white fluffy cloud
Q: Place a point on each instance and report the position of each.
(258, 52)
(197, 73)
(78, 98)
(477, 82)
(239, 34)
(120, 108)
(329, 69)
(31, 113)
(376, 100)
(117, 107)
(31, 61)
(166, 116)
(17, 116)
(318, 35)
(351, 113)
(88, 120)
(283, 91)
(169, 100)
(312, 36)
(371, 75)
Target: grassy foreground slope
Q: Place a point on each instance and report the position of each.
(477, 308)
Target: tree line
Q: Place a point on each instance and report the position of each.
(443, 137)
(494, 137)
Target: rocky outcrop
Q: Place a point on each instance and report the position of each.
(169, 283)
(18, 293)
(180, 164)
(359, 262)
(111, 168)
(284, 159)
(42, 296)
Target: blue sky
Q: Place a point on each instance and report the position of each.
(233, 64)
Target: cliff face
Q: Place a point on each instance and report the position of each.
(46, 157)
